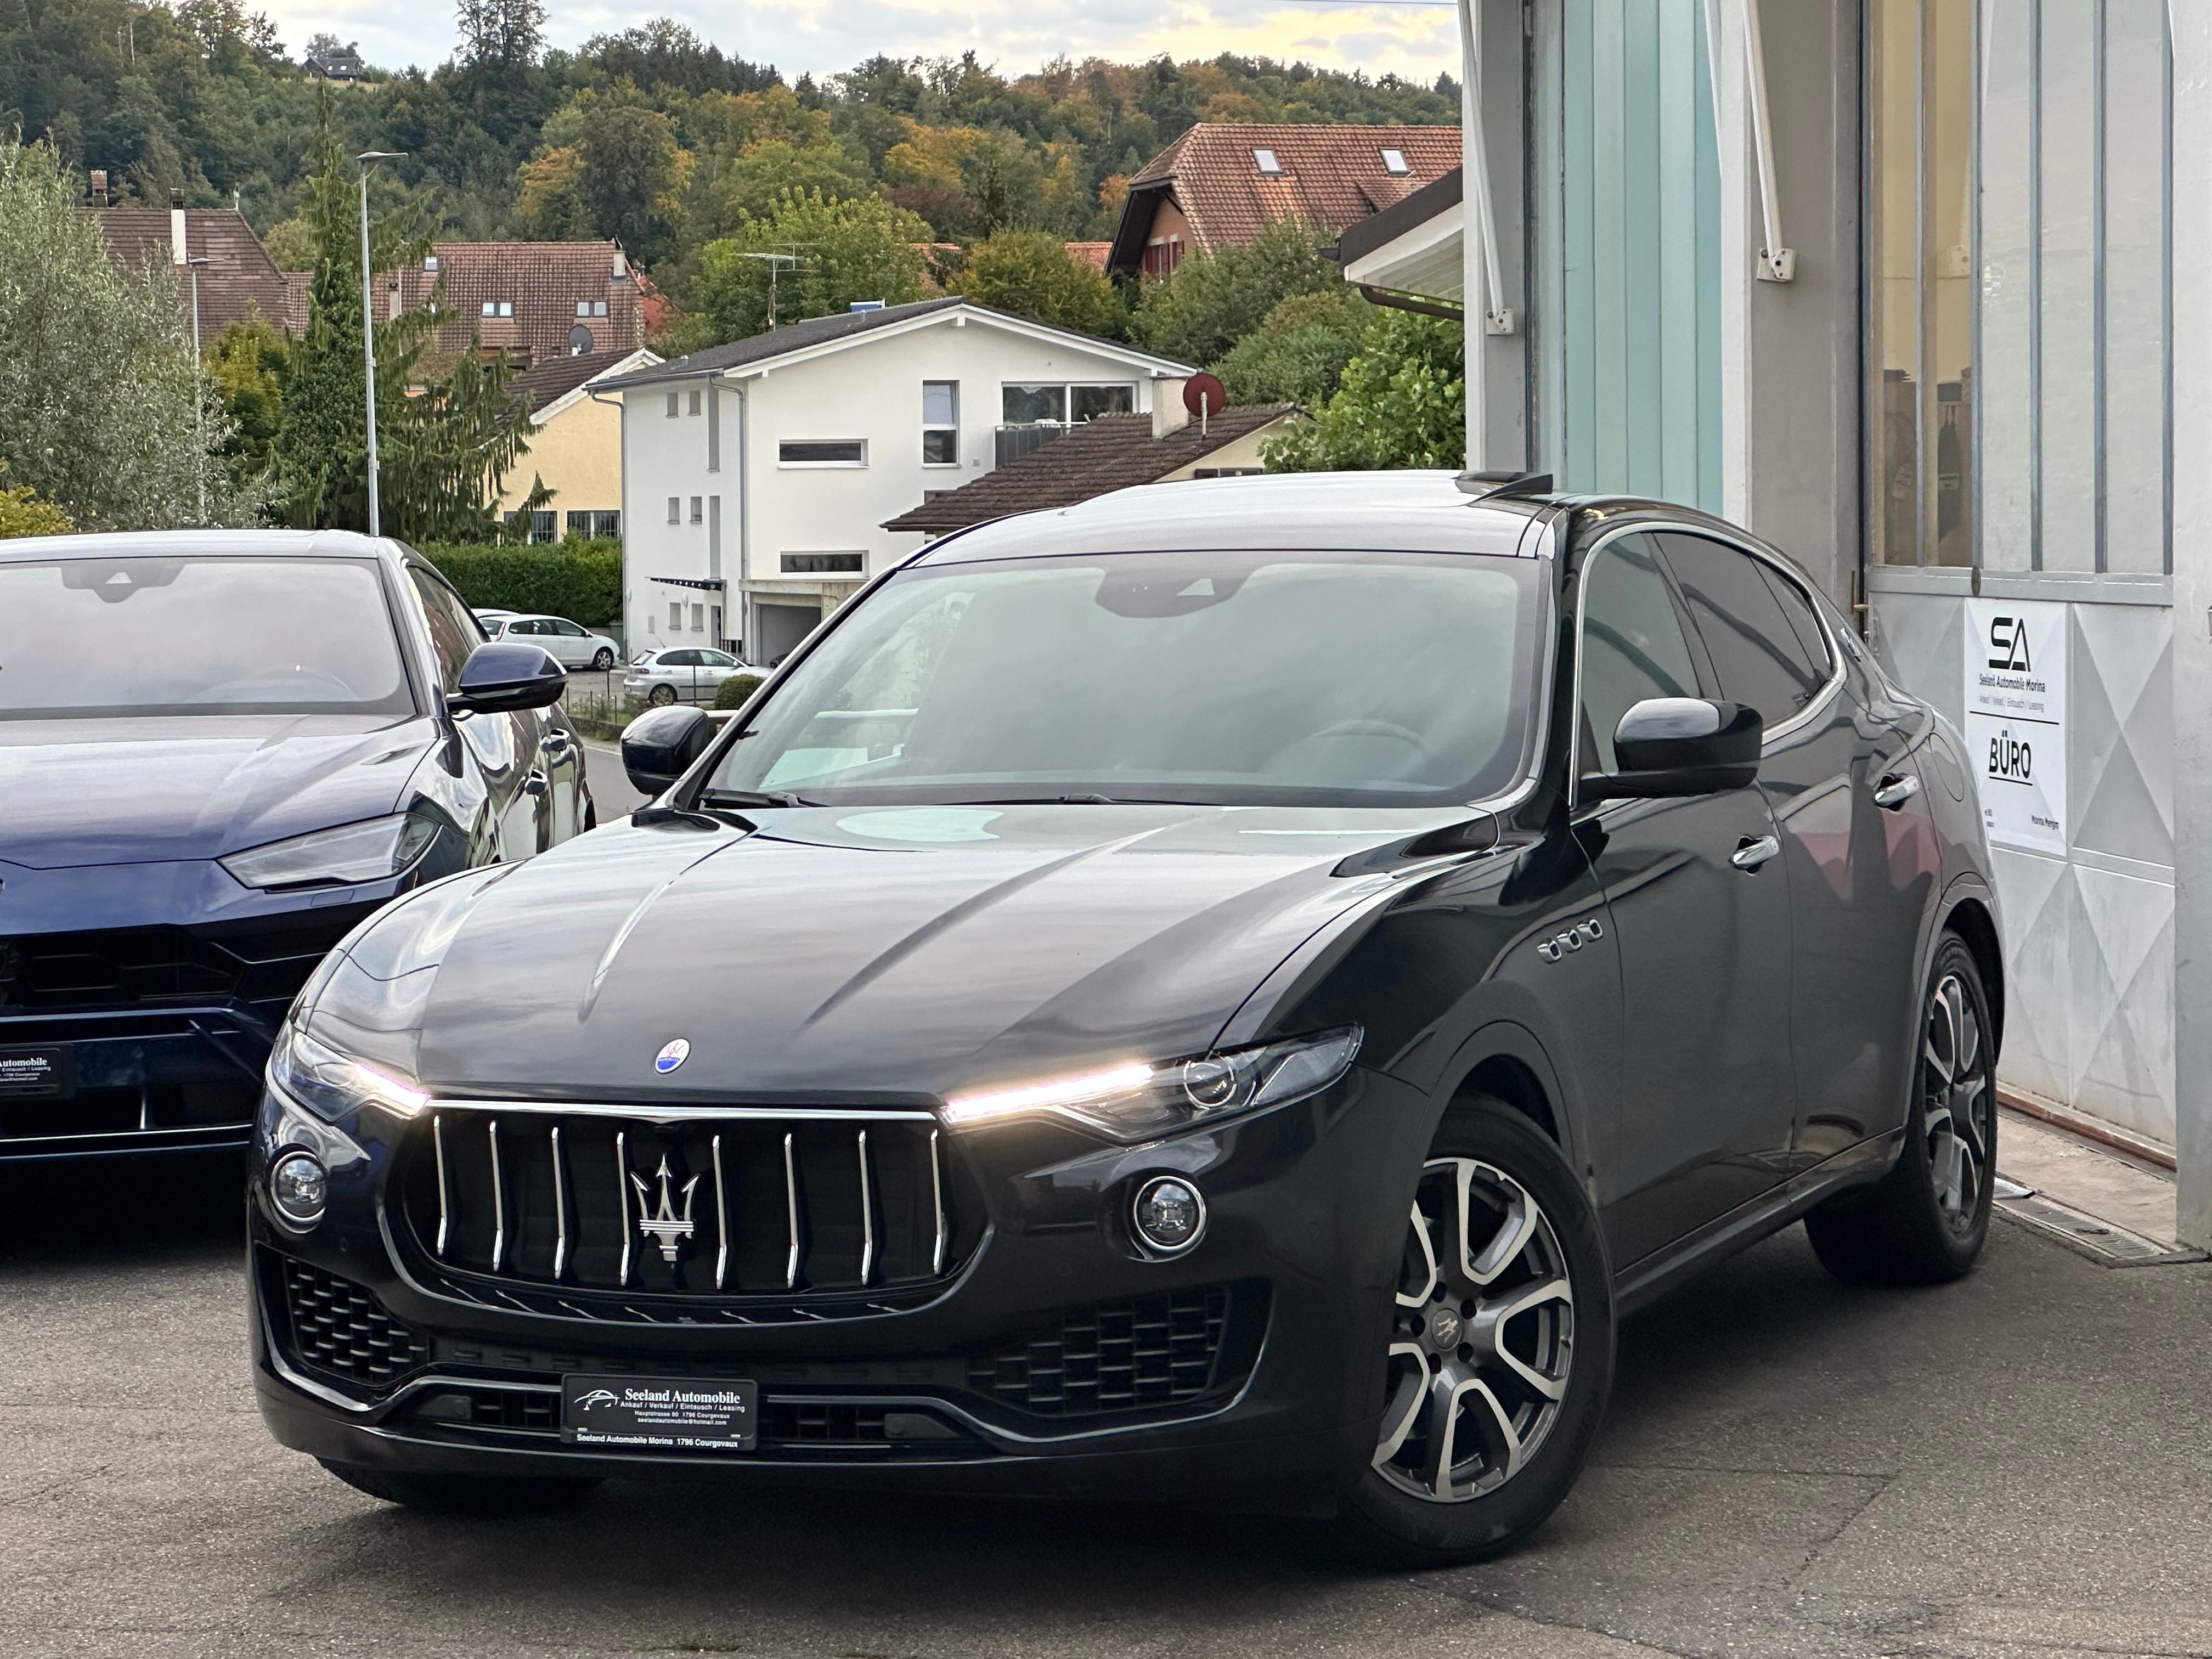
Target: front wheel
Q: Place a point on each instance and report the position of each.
(1925, 1222)
(1500, 1352)
(466, 1494)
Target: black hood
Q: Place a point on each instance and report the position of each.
(871, 952)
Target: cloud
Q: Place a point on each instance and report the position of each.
(813, 36)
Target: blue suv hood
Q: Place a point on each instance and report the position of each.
(103, 792)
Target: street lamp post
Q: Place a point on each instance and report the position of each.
(199, 386)
(367, 159)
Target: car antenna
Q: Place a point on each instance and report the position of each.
(1485, 485)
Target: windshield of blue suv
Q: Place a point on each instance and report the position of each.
(198, 635)
(1259, 678)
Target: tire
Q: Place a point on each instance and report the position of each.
(661, 695)
(603, 659)
(466, 1494)
(1925, 1222)
(1540, 1376)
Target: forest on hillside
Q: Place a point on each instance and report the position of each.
(652, 136)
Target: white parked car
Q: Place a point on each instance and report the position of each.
(492, 619)
(574, 647)
(683, 674)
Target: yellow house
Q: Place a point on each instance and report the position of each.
(577, 450)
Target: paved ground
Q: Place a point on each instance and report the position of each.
(610, 790)
(2015, 1466)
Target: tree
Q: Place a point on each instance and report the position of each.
(1403, 403)
(1297, 354)
(1212, 301)
(630, 176)
(22, 514)
(503, 32)
(248, 365)
(825, 255)
(1032, 273)
(102, 409)
(445, 440)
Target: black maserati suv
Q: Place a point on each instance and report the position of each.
(1228, 991)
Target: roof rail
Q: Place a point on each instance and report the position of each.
(1483, 485)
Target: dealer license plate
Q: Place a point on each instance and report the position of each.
(40, 1074)
(679, 1413)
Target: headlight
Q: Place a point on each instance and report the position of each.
(373, 851)
(1138, 1102)
(333, 1086)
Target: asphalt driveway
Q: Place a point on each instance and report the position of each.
(2017, 1465)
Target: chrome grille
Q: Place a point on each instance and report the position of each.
(737, 1204)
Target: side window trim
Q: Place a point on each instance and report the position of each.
(1588, 557)
(1772, 570)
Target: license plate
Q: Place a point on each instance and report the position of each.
(42, 1073)
(682, 1413)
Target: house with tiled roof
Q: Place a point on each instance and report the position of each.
(576, 451)
(535, 301)
(239, 280)
(758, 475)
(1115, 452)
(1220, 184)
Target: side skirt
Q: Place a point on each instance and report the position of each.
(1647, 1280)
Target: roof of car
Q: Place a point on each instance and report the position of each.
(176, 543)
(1398, 512)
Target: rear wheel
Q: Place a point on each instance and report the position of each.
(1926, 1221)
(661, 695)
(603, 659)
(466, 1494)
(1500, 1354)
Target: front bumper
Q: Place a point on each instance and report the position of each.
(1054, 1357)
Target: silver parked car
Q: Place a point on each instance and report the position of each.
(683, 674)
(572, 645)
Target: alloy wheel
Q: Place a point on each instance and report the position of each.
(1957, 1102)
(1482, 1340)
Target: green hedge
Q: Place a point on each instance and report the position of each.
(734, 692)
(579, 580)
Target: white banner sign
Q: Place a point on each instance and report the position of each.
(2016, 719)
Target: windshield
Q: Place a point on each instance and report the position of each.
(1376, 679)
(197, 635)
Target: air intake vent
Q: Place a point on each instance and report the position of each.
(1113, 1356)
(341, 1330)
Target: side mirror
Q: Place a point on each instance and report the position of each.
(506, 675)
(1670, 746)
(659, 745)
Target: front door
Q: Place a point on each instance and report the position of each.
(506, 748)
(1703, 918)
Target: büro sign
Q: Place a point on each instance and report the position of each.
(2016, 719)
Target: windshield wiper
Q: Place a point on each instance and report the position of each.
(1075, 800)
(754, 798)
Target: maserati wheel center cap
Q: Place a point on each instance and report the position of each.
(673, 1056)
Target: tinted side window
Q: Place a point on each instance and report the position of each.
(455, 630)
(1632, 642)
(1756, 653)
(1797, 605)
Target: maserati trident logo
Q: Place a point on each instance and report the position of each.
(658, 1221)
(671, 1056)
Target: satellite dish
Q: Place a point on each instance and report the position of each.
(1204, 395)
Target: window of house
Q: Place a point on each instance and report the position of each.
(699, 618)
(1161, 255)
(499, 308)
(698, 509)
(595, 524)
(837, 452)
(1393, 163)
(1264, 160)
(598, 307)
(1227, 471)
(940, 423)
(590, 308)
(821, 564)
(672, 406)
(1024, 404)
(1087, 402)
(675, 615)
(692, 408)
(543, 525)
(676, 509)
(430, 262)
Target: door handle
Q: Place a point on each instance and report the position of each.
(1751, 851)
(555, 742)
(534, 784)
(1895, 789)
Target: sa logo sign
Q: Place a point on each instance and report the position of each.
(2008, 644)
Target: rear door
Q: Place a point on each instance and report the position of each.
(1836, 776)
(1708, 1098)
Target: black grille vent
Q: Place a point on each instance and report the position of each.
(1114, 1357)
(125, 967)
(339, 1328)
(554, 1202)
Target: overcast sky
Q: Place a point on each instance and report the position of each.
(1414, 38)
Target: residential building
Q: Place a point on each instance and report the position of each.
(1115, 452)
(1911, 288)
(757, 476)
(240, 280)
(333, 63)
(576, 451)
(535, 301)
(1218, 185)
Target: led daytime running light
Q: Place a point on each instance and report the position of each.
(1040, 1096)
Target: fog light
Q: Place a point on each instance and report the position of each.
(1168, 1214)
(299, 1186)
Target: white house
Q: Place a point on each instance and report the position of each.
(757, 476)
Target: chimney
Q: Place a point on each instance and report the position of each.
(178, 255)
(100, 187)
(1169, 414)
(621, 265)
